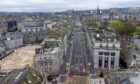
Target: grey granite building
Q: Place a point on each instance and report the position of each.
(34, 37)
(49, 57)
(106, 49)
(137, 41)
(13, 40)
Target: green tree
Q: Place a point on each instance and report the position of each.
(124, 28)
(118, 26)
(130, 27)
(94, 24)
(137, 32)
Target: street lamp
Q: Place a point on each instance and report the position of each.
(81, 64)
(89, 64)
(67, 63)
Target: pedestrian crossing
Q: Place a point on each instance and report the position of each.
(78, 80)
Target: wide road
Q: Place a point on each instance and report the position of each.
(81, 61)
(78, 59)
(64, 66)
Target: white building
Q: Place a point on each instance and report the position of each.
(13, 40)
(137, 41)
(135, 54)
(48, 24)
(106, 51)
(32, 29)
(23, 23)
(2, 48)
(105, 16)
(133, 10)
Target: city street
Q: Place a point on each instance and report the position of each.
(81, 60)
(78, 60)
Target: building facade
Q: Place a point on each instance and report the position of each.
(48, 60)
(48, 24)
(13, 40)
(106, 49)
(2, 49)
(136, 41)
(106, 55)
(32, 29)
(11, 25)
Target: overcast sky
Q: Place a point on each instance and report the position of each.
(62, 5)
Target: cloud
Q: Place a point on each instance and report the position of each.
(61, 5)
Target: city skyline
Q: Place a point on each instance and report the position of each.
(62, 5)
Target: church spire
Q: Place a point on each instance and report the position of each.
(98, 10)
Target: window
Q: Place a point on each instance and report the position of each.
(45, 58)
(106, 62)
(45, 61)
(112, 62)
(134, 57)
(45, 70)
(50, 61)
(100, 53)
(40, 63)
(50, 69)
(100, 61)
(107, 46)
(106, 53)
(113, 45)
(112, 54)
(100, 45)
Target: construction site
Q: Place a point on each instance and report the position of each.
(20, 58)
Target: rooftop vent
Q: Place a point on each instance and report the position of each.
(115, 40)
(109, 39)
(97, 35)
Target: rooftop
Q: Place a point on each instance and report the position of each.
(49, 46)
(105, 35)
(20, 76)
(51, 50)
(36, 26)
(47, 22)
(105, 39)
(13, 34)
(50, 43)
